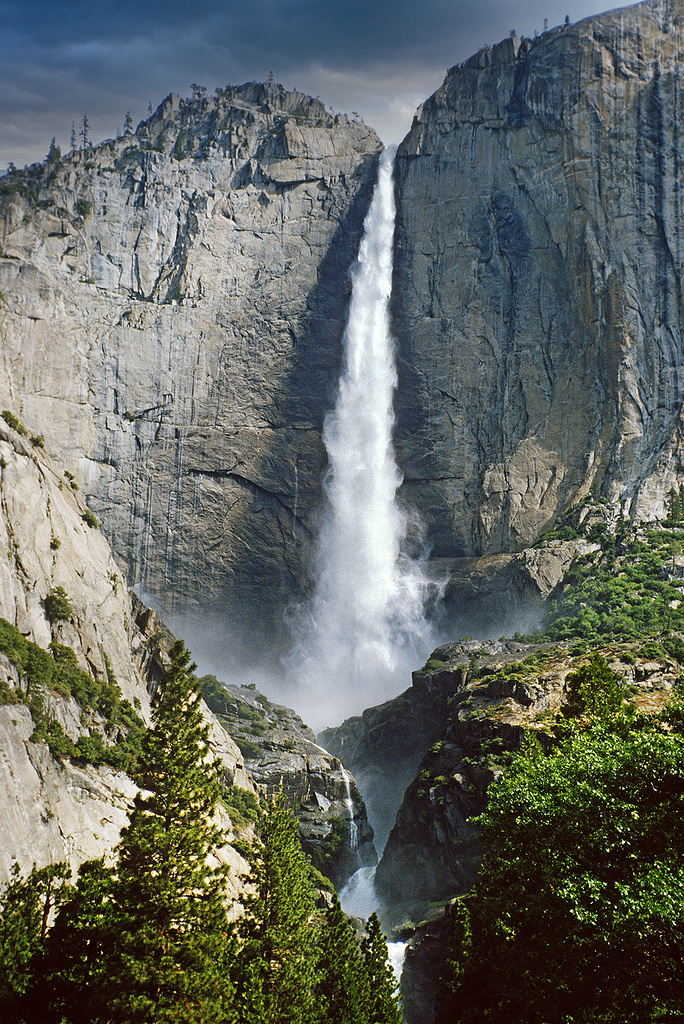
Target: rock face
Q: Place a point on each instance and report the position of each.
(174, 303)
(281, 752)
(537, 299)
(501, 691)
(171, 319)
(54, 808)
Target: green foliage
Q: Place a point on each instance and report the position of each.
(381, 1001)
(25, 910)
(243, 807)
(54, 153)
(57, 607)
(73, 982)
(343, 991)
(179, 147)
(450, 994)
(37, 440)
(12, 421)
(674, 646)
(17, 186)
(594, 692)
(214, 693)
(89, 519)
(274, 973)
(173, 948)
(83, 207)
(622, 592)
(57, 671)
(675, 507)
(249, 750)
(584, 867)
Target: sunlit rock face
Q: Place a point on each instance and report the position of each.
(173, 309)
(537, 297)
(51, 808)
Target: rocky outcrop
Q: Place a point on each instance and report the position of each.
(281, 752)
(537, 298)
(503, 690)
(171, 312)
(55, 807)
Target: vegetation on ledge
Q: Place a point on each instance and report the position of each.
(57, 672)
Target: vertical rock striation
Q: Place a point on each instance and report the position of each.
(173, 304)
(538, 302)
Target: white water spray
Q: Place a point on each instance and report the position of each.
(365, 627)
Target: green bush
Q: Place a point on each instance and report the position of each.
(37, 440)
(57, 607)
(248, 750)
(89, 519)
(12, 421)
(242, 806)
(83, 207)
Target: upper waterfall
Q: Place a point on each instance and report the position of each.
(364, 627)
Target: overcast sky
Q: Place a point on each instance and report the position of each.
(60, 59)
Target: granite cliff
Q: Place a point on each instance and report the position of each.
(174, 303)
(537, 298)
(64, 605)
(171, 319)
(79, 657)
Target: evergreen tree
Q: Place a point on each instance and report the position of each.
(74, 970)
(174, 946)
(54, 152)
(128, 123)
(73, 136)
(343, 995)
(26, 906)
(382, 1006)
(275, 970)
(85, 131)
(450, 994)
(578, 914)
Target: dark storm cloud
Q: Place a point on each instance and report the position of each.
(102, 57)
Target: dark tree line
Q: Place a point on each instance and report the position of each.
(149, 940)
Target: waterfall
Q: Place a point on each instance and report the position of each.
(364, 628)
(349, 805)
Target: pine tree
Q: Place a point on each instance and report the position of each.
(382, 1006)
(128, 123)
(174, 947)
(85, 131)
(73, 136)
(449, 998)
(25, 909)
(275, 970)
(342, 995)
(54, 152)
(74, 970)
